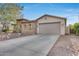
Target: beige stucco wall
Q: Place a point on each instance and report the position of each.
(48, 19)
(28, 29)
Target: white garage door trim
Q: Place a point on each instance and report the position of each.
(46, 28)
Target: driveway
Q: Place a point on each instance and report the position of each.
(35, 45)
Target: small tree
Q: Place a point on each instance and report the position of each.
(76, 28)
(72, 31)
(9, 12)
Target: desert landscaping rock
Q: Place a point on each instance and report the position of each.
(66, 46)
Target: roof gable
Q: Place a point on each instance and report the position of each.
(26, 20)
(50, 16)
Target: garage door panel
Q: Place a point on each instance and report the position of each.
(50, 28)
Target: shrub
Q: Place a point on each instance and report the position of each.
(77, 32)
(74, 29)
(5, 30)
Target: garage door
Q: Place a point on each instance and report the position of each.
(49, 28)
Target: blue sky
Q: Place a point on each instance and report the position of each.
(32, 11)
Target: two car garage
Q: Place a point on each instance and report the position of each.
(49, 28)
(51, 25)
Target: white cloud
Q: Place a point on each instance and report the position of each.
(70, 10)
(71, 17)
(75, 11)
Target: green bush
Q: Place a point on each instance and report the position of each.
(77, 32)
(5, 30)
(74, 29)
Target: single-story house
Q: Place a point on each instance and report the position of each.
(46, 24)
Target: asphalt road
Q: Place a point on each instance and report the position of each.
(35, 45)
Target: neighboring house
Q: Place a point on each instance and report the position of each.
(10, 27)
(46, 24)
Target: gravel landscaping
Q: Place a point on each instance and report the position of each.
(7, 36)
(67, 45)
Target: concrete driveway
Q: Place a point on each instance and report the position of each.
(35, 45)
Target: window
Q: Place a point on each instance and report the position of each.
(30, 26)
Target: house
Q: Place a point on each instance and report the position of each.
(46, 24)
(26, 27)
(9, 27)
